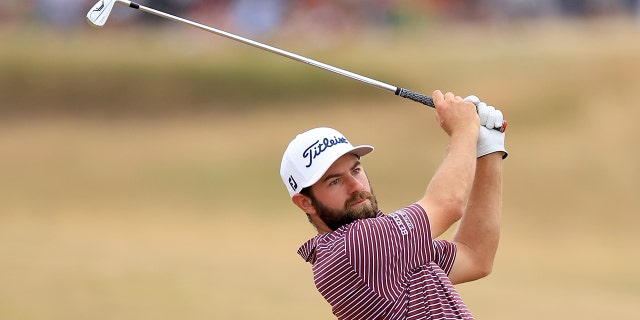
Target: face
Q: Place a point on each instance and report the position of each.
(344, 194)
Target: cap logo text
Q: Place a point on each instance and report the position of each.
(318, 148)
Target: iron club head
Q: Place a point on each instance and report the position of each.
(99, 13)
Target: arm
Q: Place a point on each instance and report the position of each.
(479, 230)
(447, 193)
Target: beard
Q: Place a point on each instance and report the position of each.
(334, 219)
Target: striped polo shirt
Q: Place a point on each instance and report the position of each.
(387, 267)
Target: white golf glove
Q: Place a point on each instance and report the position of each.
(489, 139)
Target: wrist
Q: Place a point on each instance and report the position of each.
(463, 144)
(491, 142)
(470, 132)
(493, 156)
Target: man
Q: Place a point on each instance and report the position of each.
(369, 265)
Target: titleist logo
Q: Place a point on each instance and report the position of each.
(318, 148)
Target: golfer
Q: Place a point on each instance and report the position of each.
(371, 265)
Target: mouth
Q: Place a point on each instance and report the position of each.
(359, 202)
(360, 199)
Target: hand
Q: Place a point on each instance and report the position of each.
(454, 114)
(490, 117)
(489, 140)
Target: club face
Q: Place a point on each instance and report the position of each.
(99, 13)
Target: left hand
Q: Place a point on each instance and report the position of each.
(490, 117)
(489, 139)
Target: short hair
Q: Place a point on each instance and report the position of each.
(307, 192)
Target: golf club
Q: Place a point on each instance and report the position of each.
(99, 13)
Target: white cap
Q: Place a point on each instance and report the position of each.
(310, 155)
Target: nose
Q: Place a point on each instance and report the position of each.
(354, 185)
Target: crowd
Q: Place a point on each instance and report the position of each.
(263, 16)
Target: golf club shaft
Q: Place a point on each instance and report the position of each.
(405, 93)
(402, 92)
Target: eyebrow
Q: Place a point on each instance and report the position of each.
(335, 175)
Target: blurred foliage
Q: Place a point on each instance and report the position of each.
(121, 72)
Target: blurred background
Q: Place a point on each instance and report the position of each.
(139, 162)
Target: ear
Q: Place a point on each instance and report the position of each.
(304, 203)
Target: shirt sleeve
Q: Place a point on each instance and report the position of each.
(383, 249)
(444, 254)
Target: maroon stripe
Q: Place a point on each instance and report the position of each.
(387, 267)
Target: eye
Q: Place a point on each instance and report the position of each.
(356, 170)
(333, 182)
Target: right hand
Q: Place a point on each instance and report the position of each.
(454, 114)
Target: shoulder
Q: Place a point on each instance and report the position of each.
(412, 218)
(322, 243)
(408, 220)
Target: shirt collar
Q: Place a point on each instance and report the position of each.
(307, 250)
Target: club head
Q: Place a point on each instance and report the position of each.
(99, 13)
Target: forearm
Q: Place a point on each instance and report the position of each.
(479, 229)
(449, 189)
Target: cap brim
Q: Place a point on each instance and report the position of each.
(360, 151)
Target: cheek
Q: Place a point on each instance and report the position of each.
(334, 199)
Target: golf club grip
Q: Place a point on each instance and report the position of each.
(418, 97)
